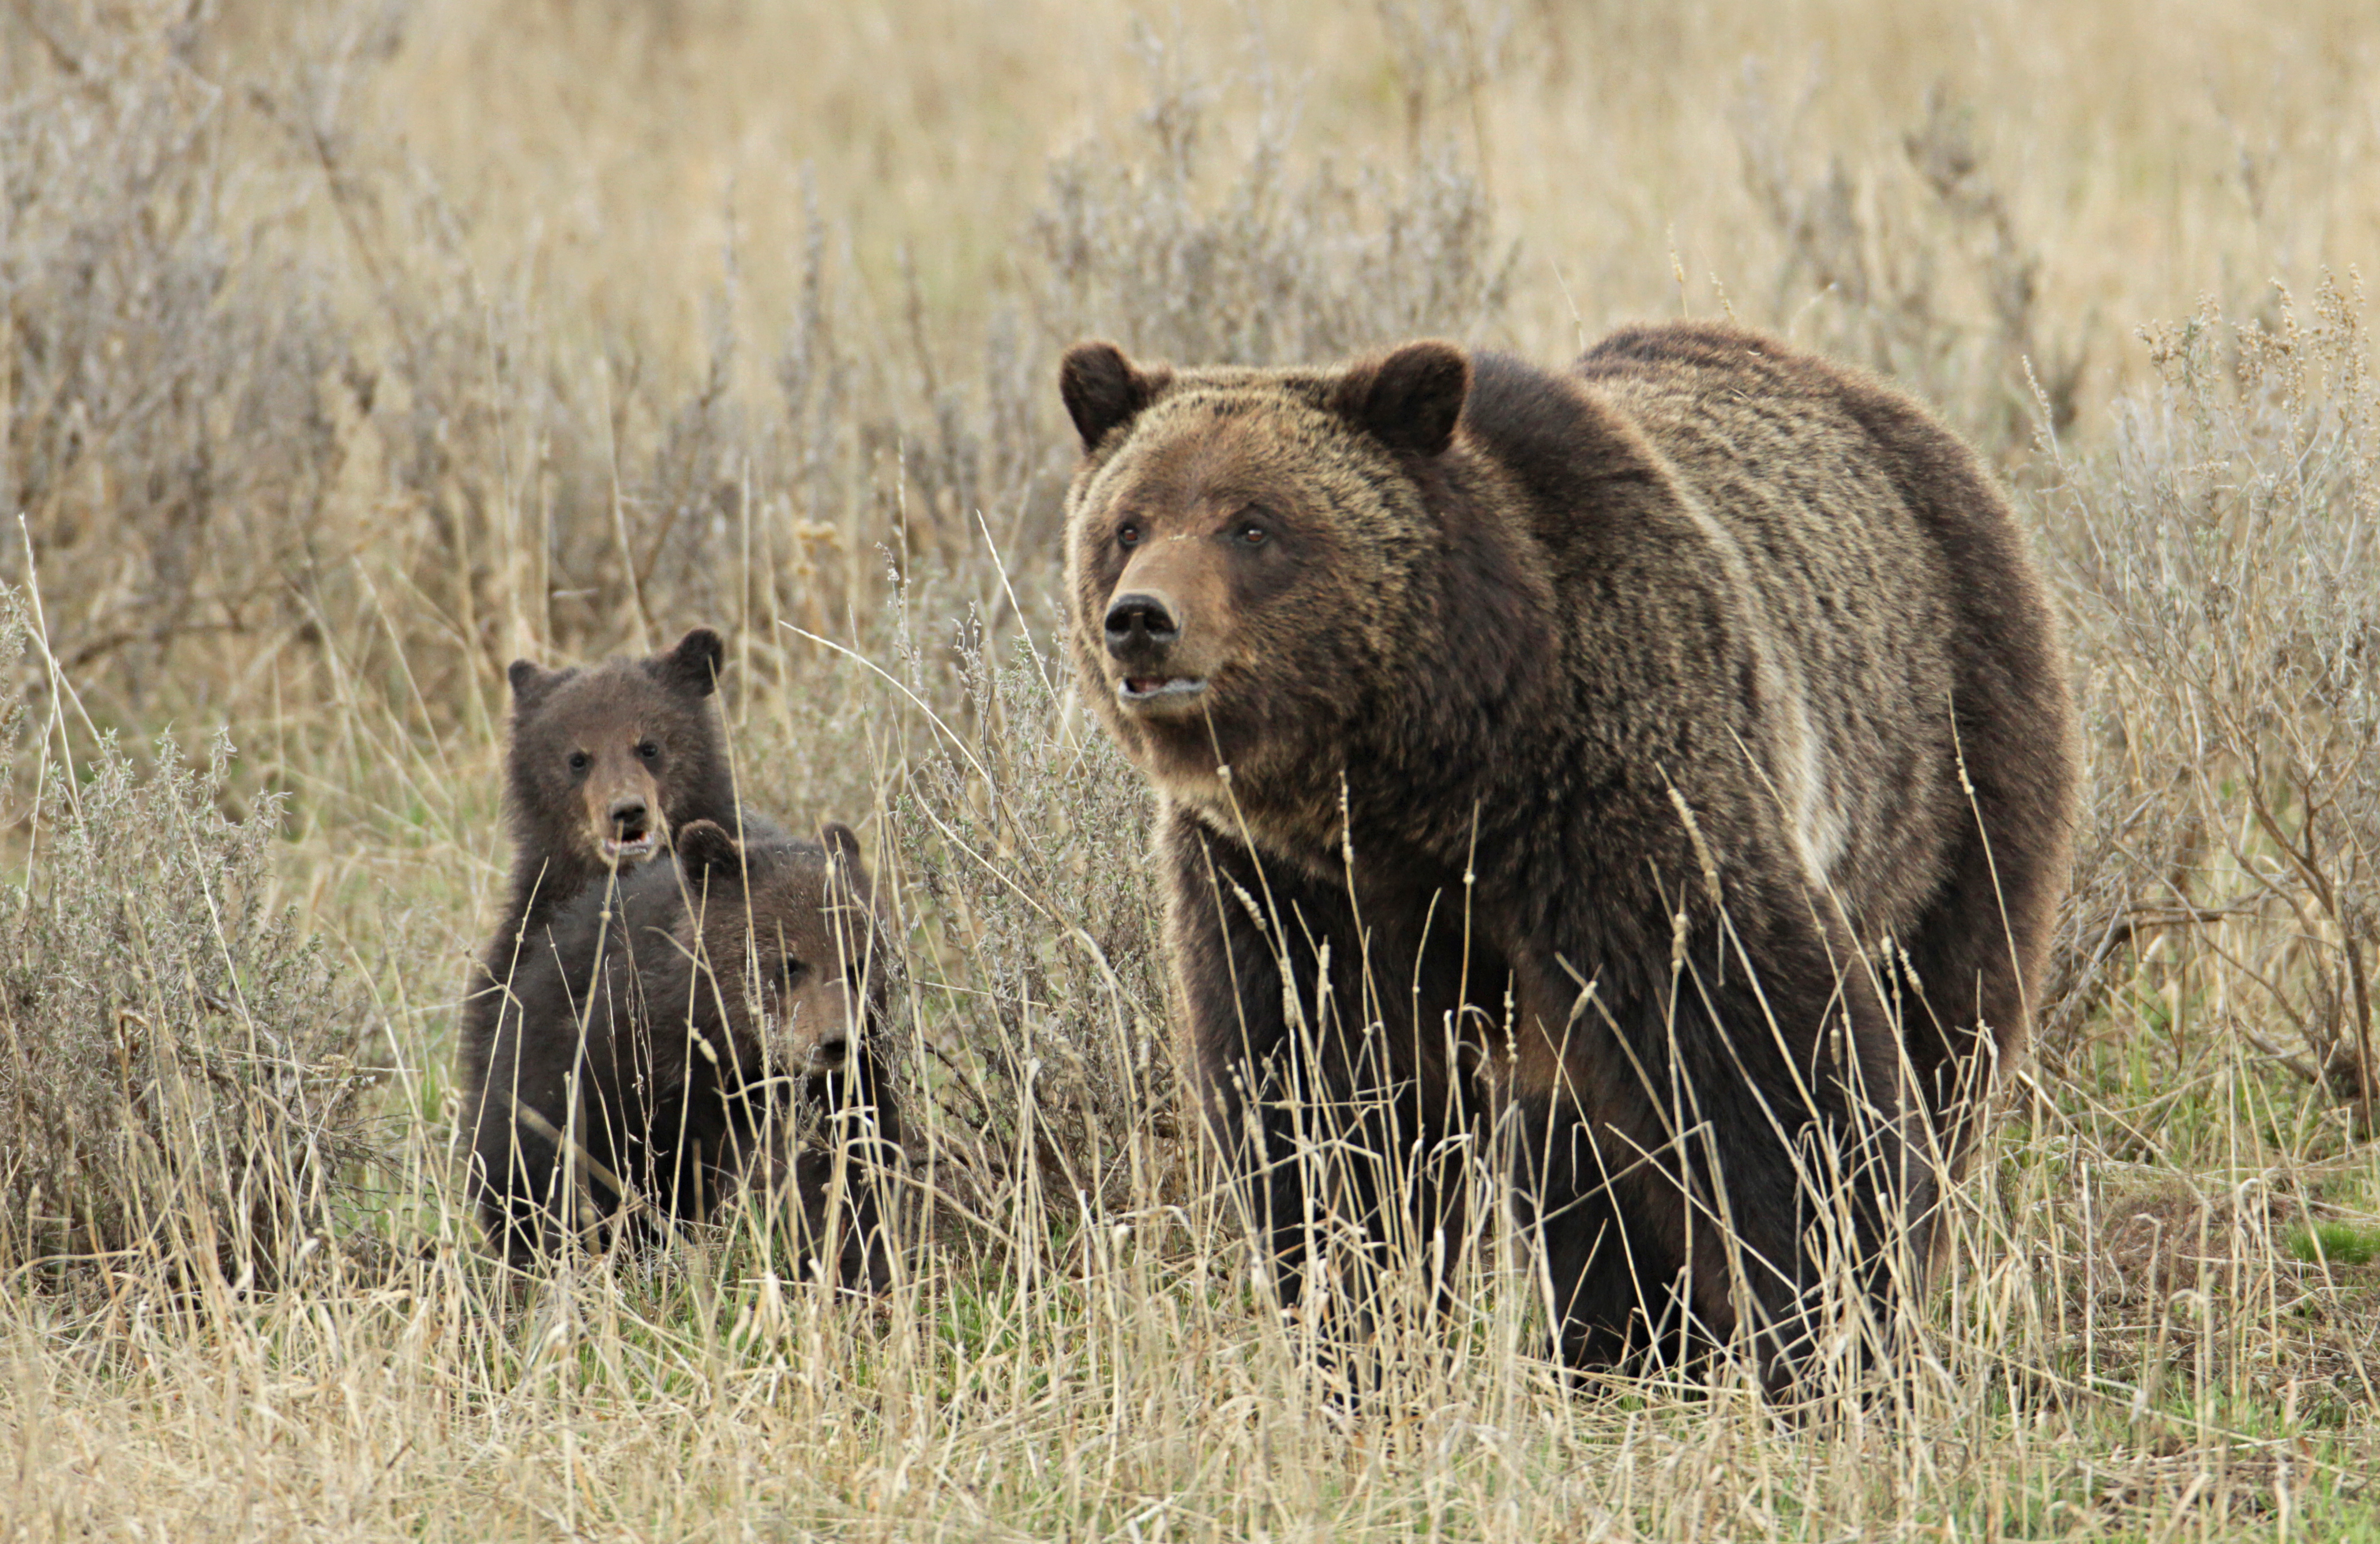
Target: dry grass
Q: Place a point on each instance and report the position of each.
(347, 351)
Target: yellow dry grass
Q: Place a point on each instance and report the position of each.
(347, 351)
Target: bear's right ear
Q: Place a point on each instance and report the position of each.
(704, 847)
(532, 683)
(842, 845)
(1411, 399)
(1102, 389)
(694, 665)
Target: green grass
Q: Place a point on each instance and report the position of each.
(2336, 1242)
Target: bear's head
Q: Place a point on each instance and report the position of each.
(606, 760)
(793, 951)
(1241, 551)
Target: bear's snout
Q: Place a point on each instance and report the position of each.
(624, 817)
(810, 1028)
(629, 817)
(1142, 627)
(1144, 631)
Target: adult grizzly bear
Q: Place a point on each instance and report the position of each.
(1671, 754)
(658, 1054)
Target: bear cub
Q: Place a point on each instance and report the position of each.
(711, 1025)
(1663, 763)
(605, 762)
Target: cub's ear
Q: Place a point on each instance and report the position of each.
(532, 683)
(1410, 399)
(842, 853)
(842, 842)
(694, 665)
(1103, 389)
(704, 848)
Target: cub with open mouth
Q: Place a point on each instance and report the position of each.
(606, 760)
(715, 1025)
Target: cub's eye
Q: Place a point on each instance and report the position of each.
(1252, 533)
(797, 972)
(648, 751)
(580, 760)
(1127, 536)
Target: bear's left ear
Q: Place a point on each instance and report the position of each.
(842, 845)
(694, 665)
(1410, 399)
(704, 848)
(1102, 389)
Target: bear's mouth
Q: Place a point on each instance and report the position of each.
(1152, 689)
(632, 849)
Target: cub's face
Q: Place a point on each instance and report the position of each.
(792, 943)
(599, 757)
(1239, 543)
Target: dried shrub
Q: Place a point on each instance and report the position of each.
(1271, 267)
(2225, 556)
(1915, 267)
(178, 1068)
(1028, 834)
(168, 385)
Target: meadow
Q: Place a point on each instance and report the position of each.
(350, 350)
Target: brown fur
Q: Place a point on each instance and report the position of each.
(627, 748)
(1657, 674)
(667, 1031)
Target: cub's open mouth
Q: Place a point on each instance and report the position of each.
(1160, 688)
(635, 849)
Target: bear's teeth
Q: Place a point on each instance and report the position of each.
(1141, 687)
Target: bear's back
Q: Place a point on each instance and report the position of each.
(1844, 601)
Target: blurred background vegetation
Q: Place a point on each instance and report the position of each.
(349, 350)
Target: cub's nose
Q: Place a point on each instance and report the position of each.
(834, 1046)
(629, 817)
(1141, 622)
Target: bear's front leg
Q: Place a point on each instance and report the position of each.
(1717, 1160)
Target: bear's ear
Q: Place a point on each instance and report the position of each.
(694, 665)
(1102, 389)
(704, 848)
(532, 683)
(842, 845)
(842, 853)
(843, 842)
(1411, 399)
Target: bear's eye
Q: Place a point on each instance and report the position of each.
(1252, 533)
(648, 751)
(580, 762)
(795, 973)
(1127, 536)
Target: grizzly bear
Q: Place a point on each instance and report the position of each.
(604, 762)
(1665, 765)
(663, 1051)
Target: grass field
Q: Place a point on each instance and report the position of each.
(347, 352)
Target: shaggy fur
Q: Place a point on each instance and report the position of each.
(668, 1036)
(605, 762)
(1582, 751)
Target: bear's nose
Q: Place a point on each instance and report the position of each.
(833, 1045)
(1141, 620)
(628, 816)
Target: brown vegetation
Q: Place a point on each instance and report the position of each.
(350, 351)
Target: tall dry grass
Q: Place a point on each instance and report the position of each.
(347, 351)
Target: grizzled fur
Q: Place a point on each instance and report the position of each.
(1655, 677)
(675, 1030)
(605, 763)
